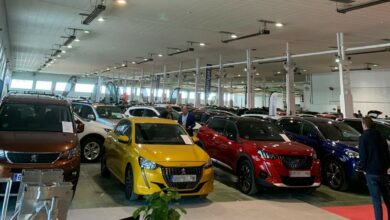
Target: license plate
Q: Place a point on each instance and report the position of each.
(296, 173)
(183, 178)
(17, 177)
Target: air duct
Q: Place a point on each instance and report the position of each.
(90, 17)
(360, 6)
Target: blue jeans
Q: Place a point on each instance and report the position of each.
(378, 187)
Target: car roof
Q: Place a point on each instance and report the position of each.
(35, 99)
(313, 119)
(151, 120)
(238, 118)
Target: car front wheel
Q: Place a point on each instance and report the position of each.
(246, 178)
(129, 184)
(334, 175)
(91, 149)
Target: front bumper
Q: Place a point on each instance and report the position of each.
(273, 174)
(151, 181)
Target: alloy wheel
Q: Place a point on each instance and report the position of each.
(91, 151)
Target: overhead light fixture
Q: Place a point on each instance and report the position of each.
(160, 55)
(63, 51)
(77, 40)
(239, 75)
(360, 6)
(179, 51)
(70, 46)
(337, 60)
(121, 2)
(145, 59)
(95, 13)
(202, 44)
(304, 70)
(108, 69)
(262, 31)
(56, 53)
(257, 74)
(101, 19)
(278, 24)
(123, 64)
(133, 62)
(86, 32)
(245, 69)
(375, 65)
(69, 40)
(114, 67)
(58, 56)
(278, 72)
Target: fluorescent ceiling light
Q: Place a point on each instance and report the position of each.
(63, 51)
(101, 19)
(145, 59)
(96, 11)
(160, 55)
(133, 62)
(86, 32)
(202, 44)
(108, 69)
(121, 2)
(278, 24)
(234, 36)
(59, 56)
(70, 46)
(77, 40)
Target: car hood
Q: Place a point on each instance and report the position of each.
(37, 141)
(353, 145)
(173, 153)
(285, 148)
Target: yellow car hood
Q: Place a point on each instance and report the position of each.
(173, 153)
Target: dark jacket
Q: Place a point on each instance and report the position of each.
(373, 153)
(190, 123)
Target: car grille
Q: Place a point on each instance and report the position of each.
(297, 181)
(168, 172)
(297, 162)
(14, 157)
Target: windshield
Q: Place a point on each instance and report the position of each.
(110, 112)
(257, 130)
(338, 131)
(35, 117)
(159, 134)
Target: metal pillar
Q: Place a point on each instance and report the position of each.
(346, 100)
(197, 93)
(132, 88)
(164, 95)
(220, 83)
(98, 88)
(179, 82)
(249, 80)
(152, 85)
(141, 82)
(264, 99)
(290, 91)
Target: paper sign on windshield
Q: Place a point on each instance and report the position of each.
(285, 138)
(67, 127)
(186, 139)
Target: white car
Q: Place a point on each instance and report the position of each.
(261, 116)
(149, 111)
(92, 139)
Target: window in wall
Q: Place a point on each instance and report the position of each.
(21, 84)
(81, 87)
(212, 96)
(43, 85)
(184, 94)
(128, 90)
(60, 86)
(103, 89)
(192, 95)
(121, 90)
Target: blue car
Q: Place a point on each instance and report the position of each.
(336, 144)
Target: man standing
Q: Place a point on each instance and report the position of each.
(187, 120)
(374, 159)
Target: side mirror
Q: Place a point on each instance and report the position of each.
(91, 117)
(123, 139)
(79, 126)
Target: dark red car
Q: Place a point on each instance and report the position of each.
(259, 153)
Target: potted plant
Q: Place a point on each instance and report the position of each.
(158, 207)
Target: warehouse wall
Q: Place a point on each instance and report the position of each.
(370, 90)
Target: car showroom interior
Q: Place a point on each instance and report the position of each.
(219, 109)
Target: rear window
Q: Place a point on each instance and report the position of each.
(34, 117)
(257, 130)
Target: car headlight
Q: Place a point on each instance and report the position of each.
(147, 164)
(69, 154)
(209, 164)
(2, 155)
(267, 155)
(352, 154)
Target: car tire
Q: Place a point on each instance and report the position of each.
(334, 175)
(104, 172)
(246, 178)
(91, 149)
(129, 184)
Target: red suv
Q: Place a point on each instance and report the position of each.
(259, 153)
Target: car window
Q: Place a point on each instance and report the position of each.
(308, 129)
(85, 111)
(121, 127)
(127, 130)
(138, 112)
(293, 126)
(337, 131)
(217, 125)
(77, 109)
(34, 117)
(384, 130)
(110, 112)
(169, 134)
(259, 131)
(230, 129)
(149, 113)
(357, 125)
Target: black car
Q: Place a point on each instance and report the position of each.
(382, 126)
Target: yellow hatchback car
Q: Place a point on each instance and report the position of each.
(150, 154)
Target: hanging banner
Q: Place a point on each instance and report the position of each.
(207, 86)
(273, 101)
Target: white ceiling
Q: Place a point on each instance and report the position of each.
(150, 26)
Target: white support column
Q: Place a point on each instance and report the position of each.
(197, 93)
(141, 82)
(290, 90)
(152, 86)
(179, 82)
(249, 80)
(220, 83)
(346, 99)
(133, 89)
(98, 88)
(264, 99)
(164, 95)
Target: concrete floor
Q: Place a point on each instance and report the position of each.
(94, 192)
